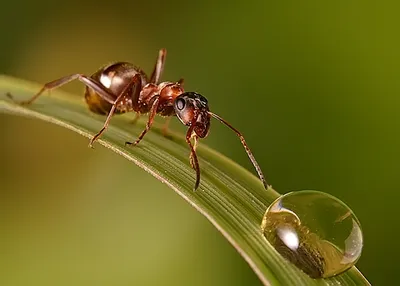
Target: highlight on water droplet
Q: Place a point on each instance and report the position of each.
(315, 231)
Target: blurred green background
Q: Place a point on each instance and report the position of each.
(314, 86)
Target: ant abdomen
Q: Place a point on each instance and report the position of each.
(114, 78)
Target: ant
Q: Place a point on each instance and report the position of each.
(122, 87)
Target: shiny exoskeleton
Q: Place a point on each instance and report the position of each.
(121, 87)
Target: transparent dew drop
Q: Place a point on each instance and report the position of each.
(315, 231)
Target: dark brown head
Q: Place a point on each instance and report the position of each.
(192, 108)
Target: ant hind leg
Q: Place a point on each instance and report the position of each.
(159, 67)
(64, 80)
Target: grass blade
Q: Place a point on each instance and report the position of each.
(229, 196)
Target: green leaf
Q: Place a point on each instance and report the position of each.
(230, 197)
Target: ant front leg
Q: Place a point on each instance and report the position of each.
(159, 67)
(136, 82)
(164, 129)
(194, 162)
(191, 156)
(153, 112)
(66, 79)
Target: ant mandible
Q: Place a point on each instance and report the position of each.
(121, 87)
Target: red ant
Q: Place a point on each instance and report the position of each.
(121, 87)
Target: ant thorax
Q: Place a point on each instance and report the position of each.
(166, 92)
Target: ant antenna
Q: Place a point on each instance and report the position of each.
(246, 147)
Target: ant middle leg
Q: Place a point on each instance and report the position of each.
(136, 83)
(153, 112)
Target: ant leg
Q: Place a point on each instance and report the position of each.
(135, 97)
(153, 112)
(246, 148)
(134, 120)
(191, 159)
(137, 88)
(164, 130)
(64, 80)
(159, 67)
(105, 126)
(194, 162)
(181, 81)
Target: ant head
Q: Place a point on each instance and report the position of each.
(192, 108)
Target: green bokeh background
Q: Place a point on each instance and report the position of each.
(313, 85)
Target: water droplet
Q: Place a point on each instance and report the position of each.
(315, 231)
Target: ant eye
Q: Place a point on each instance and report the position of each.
(180, 104)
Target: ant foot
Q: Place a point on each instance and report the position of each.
(24, 103)
(91, 144)
(10, 96)
(165, 132)
(131, 143)
(134, 121)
